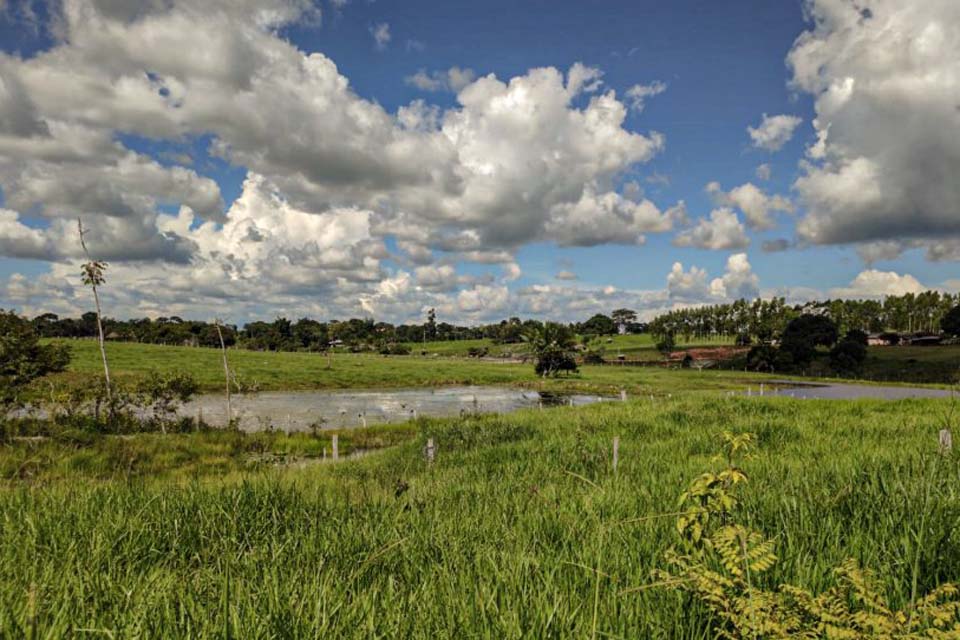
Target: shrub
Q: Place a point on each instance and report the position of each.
(22, 357)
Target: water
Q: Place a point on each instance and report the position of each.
(830, 391)
(302, 410)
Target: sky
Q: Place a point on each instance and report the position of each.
(247, 159)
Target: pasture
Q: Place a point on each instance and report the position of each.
(521, 527)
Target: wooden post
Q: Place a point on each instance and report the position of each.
(363, 419)
(623, 395)
(761, 388)
(335, 443)
(946, 441)
(616, 452)
(324, 453)
(430, 451)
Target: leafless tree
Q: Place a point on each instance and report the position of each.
(92, 273)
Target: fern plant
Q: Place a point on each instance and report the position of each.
(720, 561)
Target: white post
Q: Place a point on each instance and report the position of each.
(616, 452)
(761, 388)
(335, 443)
(946, 441)
(623, 395)
(363, 419)
(430, 451)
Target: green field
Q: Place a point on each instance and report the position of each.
(520, 528)
(635, 347)
(293, 371)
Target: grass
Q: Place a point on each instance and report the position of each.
(71, 455)
(520, 528)
(636, 347)
(301, 371)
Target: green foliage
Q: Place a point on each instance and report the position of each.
(552, 344)
(848, 356)
(22, 357)
(950, 324)
(162, 394)
(666, 344)
(722, 563)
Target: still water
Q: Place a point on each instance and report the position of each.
(303, 410)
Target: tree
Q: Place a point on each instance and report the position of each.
(803, 335)
(598, 325)
(848, 356)
(430, 329)
(22, 357)
(553, 346)
(666, 345)
(92, 274)
(950, 324)
(624, 318)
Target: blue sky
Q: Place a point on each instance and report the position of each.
(856, 216)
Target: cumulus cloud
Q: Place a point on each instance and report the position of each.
(738, 281)
(752, 201)
(886, 89)
(638, 94)
(723, 230)
(333, 179)
(877, 284)
(774, 131)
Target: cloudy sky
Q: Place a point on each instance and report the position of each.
(334, 158)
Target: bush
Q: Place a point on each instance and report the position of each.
(478, 352)
(762, 358)
(22, 357)
(848, 356)
(666, 344)
(554, 361)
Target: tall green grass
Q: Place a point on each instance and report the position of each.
(519, 529)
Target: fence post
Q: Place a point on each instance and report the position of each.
(336, 446)
(430, 451)
(761, 388)
(623, 395)
(616, 452)
(946, 441)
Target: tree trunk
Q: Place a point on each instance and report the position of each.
(226, 374)
(103, 349)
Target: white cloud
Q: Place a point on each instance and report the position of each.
(752, 201)
(877, 284)
(638, 94)
(738, 281)
(723, 230)
(774, 131)
(764, 171)
(453, 79)
(886, 89)
(381, 35)
(566, 275)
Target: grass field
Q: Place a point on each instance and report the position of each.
(639, 347)
(276, 371)
(520, 528)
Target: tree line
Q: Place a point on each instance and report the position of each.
(307, 334)
(764, 320)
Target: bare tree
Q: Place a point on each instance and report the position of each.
(92, 274)
(226, 371)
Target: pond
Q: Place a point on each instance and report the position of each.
(840, 391)
(302, 410)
